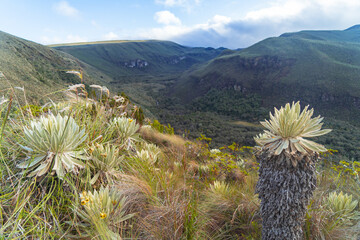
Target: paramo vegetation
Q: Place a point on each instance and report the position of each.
(93, 167)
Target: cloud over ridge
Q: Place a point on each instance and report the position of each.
(64, 8)
(277, 17)
(167, 18)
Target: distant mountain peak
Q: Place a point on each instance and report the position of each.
(355, 27)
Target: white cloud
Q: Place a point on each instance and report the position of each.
(278, 12)
(277, 17)
(272, 19)
(64, 8)
(216, 25)
(167, 18)
(111, 36)
(308, 13)
(167, 32)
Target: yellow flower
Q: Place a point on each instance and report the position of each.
(83, 202)
(91, 150)
(87, 199)
(102, 215)
(130, 120)
(83, 195)
(345, 163)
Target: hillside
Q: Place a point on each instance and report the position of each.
(119, 58)
(285, 68)
(40, 69)
(320, 68)
(352, 34)
(140, 68)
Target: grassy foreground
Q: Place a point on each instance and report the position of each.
(94, 168)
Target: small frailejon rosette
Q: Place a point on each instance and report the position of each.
(287, 129)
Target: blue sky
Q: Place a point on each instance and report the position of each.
(215, 23)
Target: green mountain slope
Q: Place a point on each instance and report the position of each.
(40, 69)
(323, 73)
(118, 58)
(140, 68)
(351, 34)
(320, 68)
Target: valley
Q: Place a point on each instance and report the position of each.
(207, 90)
(180, 120)
(211, 88)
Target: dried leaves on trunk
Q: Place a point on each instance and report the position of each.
(284, 191)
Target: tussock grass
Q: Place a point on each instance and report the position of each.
(174, 142)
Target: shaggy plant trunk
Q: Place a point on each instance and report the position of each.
(284, 191)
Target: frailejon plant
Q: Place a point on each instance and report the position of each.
(52, 142)
(287, 175)
(221, 188)
(106, 161)
(287, 129)
(101, 212)
(126, 130)
(149, 152)
(343, 207)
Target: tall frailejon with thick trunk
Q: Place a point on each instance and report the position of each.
(287, 176)
(285, 192)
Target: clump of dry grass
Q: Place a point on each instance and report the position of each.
(173, 142)
(231, 208)
(165, 219)
(138, 191)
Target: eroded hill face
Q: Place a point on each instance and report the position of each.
(141, 69)
(39, 69)
(244, 75)
(124, 58)
(317, 68)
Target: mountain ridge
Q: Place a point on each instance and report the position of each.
(162, 56)
(141, 68)
(317, 68)
(39, 69)
(210, 89)
(351, 34)
(281, 61)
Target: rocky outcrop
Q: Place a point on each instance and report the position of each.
(140, 63)
(176, 60)
(239, 88)
(137, 63)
